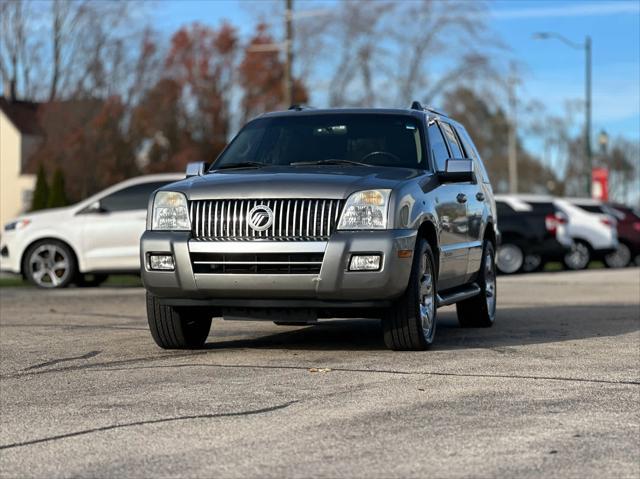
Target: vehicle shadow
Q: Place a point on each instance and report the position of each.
(513, 327)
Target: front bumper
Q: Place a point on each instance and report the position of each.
(334, 283)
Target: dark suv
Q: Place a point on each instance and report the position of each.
(533, 233)
(312, 214)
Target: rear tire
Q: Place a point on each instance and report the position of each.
(480, 311)
(620, 258)
(91, 280)
(410, 324)
(579, 256)
(174, 328)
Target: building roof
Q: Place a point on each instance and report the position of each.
(23, 115)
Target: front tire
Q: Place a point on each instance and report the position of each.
(174, 328)
(480, 311)
(50, 264)
(410, 324)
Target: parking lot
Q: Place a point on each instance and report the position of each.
(553, 389)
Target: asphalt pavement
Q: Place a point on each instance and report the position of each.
(552, 390)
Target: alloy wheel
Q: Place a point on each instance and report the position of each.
(490, 282)
(510, 258)
(578, 257)
(426, 298)
(620, 258)
(49, 266)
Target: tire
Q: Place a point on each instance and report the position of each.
(50, 264)
(410, 324)
(510, 259)
(174, 328)
(91, 280)
(620, 258)
(286, 323)
(578, 258)
(532, 262)
(480, 311)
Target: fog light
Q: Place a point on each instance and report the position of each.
(369, 262)
(163, 262)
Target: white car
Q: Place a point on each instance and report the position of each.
(100, 235)
(594, 234)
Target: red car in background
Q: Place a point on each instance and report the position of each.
(628, 250)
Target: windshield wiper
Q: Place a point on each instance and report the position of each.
(331, 161)
(242, 164)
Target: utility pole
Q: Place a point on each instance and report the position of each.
(586, 46)
(587, 133)
(288, 54)
(513, 134)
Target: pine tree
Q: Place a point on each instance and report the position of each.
(41, 192)
(57, 195)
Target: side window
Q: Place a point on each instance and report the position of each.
(134, 197)
(470, 148)
(454, 146)
(438, 146)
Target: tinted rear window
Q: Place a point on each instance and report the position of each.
(591, 208)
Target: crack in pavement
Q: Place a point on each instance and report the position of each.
(105, 366)
(89, 355)
(143, 423)
(105, 363)
(388, 371)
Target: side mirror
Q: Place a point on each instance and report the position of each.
(95, 208)
(197, 168)
(457, 171)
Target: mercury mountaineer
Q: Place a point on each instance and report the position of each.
(313, 214)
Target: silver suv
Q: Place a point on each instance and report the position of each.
(312, 214)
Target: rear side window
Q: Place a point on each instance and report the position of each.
(438, 146)
(472, 153)
(134, 197)
(452, 140)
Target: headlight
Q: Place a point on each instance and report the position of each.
(17, 225)
(170, 212)
(366, 210)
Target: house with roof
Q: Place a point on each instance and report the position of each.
(20, 136)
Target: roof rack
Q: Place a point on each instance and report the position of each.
(416, 105)
(300, 107)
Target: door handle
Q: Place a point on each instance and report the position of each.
(462, 198)
(480, 196)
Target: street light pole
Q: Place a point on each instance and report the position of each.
(513, 135)
(587, 133)
(586, 46)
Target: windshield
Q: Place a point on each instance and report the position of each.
(343, 139)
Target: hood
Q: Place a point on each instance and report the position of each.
(49, 214)
(329, 182)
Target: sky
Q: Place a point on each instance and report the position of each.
(553, 72)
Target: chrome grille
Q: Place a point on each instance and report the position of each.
(293, 220)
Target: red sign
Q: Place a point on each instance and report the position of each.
(600, 184)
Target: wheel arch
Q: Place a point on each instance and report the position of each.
(428, 231)
(490, 234)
